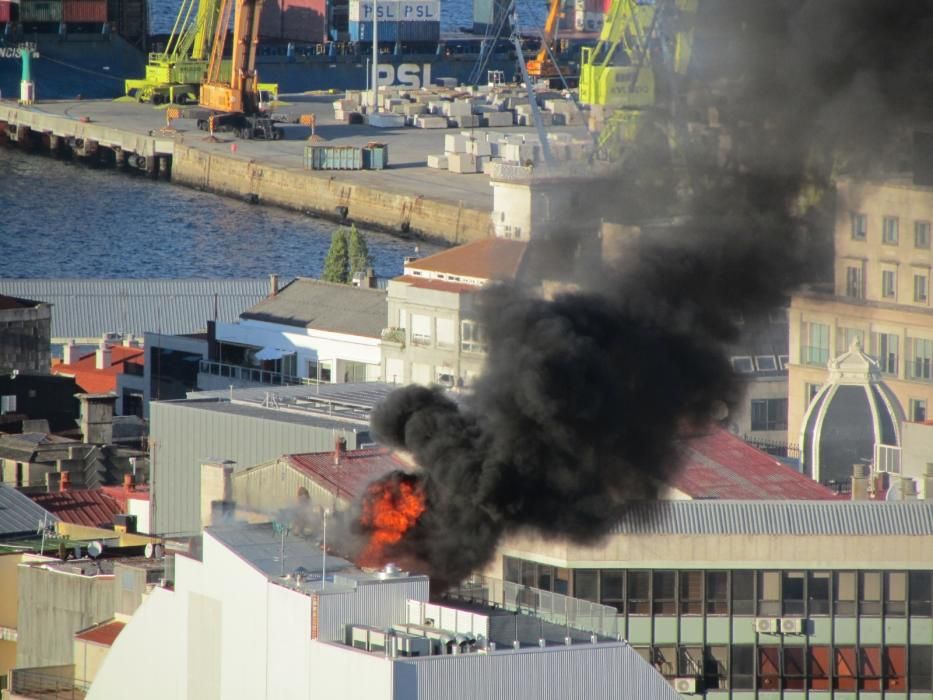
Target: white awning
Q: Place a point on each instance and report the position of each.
(270, 353)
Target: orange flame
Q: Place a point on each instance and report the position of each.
(390, 508)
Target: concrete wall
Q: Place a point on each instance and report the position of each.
(323, 195)
(9, 594)
(269, 487)
(26, 339)
(52, 607)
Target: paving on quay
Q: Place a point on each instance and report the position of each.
(408, 147)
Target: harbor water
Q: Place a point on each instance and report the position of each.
(61, 219)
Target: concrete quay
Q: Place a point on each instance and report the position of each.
(407, 197)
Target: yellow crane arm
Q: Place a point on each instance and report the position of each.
(542, 65)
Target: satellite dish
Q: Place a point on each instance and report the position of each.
(95, 549)
(150, 550)
(158, 550)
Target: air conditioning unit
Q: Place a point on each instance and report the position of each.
(685, 685)
(791, 625)
(766, 625)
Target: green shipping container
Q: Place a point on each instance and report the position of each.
(333, 158)
(376, 156)
(40, 11)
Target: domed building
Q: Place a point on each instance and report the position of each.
(849, 415)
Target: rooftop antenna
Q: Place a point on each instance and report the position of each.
(325, 512)
(46, 530)
(281, 528)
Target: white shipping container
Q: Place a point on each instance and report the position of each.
(396, 10)
(593, 22)
(579, 13)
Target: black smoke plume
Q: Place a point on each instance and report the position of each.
(587, 393)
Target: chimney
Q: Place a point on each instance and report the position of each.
(928, 482)
(273, 285)
(128, 484)
(69, 353)
(340, 450)
(103, 356)
(860, 474)
(65, 483)
(216, 490)
(96, 421)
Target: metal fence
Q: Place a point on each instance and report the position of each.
(551, 607)
(251, 374)
(55, 682)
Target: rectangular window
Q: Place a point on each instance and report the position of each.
(818, 592)
(921, 667)
(794, 667)
(811, 390)
(717, 593)
(769, 668)
(889, 230)
(420, 329)
(690, 662)
(545, 577)
(869, 593)
(884, 349)
(586, 584)
(319, 371)
(918, 410)
(769, 414)
(743, 592)
(815, 350)
(844, 593)
(792, 593)
(846, 336)
(766, 363)
(920, 586)
(769, 593)
(446, 333)
(472, 337)
(921, 358)
(921, 283)
(743, 666)
(8, 404)
(859, 226)
(869, 668)
(664, 592)
(691, 592)
(844, 668)
(612, 589)
(889, 284)
(743, 364)
(818, 662)
(639, 593)
(562, 581)
(854, 287)
(665, 660)
(512, 569)
(921, 234)
(895, 593)
(529, 574)
(893, 666)
(716, 668)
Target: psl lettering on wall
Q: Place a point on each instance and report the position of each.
(396, 11)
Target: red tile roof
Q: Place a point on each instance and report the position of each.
(438, 285)
(720, 465)
(140, 492)
(90, 507)
(356, 469)
(101, 381)
(489, 259)
(104, 634)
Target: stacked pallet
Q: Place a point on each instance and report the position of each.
(473, 152)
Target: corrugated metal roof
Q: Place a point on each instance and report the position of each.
(356, 469)
(88, 308)
(339, 308)
(19, 515)
(779, 518)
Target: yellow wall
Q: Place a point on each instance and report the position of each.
(9, 592)
(869, 317)
(88, 658)
(83, 533)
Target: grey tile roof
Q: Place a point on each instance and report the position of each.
(780, 518)
(339, 308)
(88, 308)
(19, 515)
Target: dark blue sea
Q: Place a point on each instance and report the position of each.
(62, 219)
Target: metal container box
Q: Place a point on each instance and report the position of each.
(419, 31)
(363, 31)
(40, 11)
(333, 158)
(376, 156)
(77, 11)
(294, 20)
(6, 12)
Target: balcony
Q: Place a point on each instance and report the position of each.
(251, 375)
(394, 336)
(47, 682)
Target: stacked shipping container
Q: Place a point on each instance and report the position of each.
(398, 20)
(294, 20)
(589, 15)
(36, 11)
(6, 11)
(86, 11)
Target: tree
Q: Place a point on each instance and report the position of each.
(360, 259)
(337, 262)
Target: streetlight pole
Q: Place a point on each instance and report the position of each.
(375, 66)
